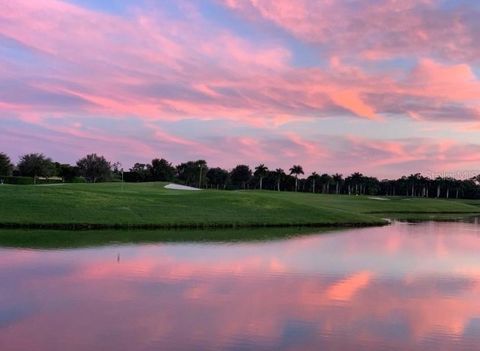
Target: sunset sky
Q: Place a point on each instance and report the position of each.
(384, 87)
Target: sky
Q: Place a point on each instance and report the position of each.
(384, 87)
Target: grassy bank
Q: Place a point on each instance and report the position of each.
(150, 206)
(59, 239)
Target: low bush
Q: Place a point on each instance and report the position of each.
(16, 180)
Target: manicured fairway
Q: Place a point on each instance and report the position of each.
(143, 204)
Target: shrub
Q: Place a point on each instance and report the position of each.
(17, 180)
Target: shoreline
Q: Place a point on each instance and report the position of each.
(59, 238)
(174, 226)
(387, 220)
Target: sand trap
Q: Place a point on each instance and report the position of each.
(172, 186)
(379, 198)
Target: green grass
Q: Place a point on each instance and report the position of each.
(60, 239)
(391, 207)
(149, 205)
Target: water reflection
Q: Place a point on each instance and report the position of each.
(403, 287)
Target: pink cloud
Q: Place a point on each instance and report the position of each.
(154, 67)
(375, 29)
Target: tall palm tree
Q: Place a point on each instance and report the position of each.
(202, 165)
(458, 184)
(280, 173)
(296, 170)
(261, 171)
(325, 179)
(449, 182)
(337, 178)
(314, 177)
(439, 182)
(414, 179)
(426, 183)
(392, 184)
(357, 179)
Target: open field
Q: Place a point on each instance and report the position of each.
(149, 205)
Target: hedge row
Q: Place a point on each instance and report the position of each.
(29, 180)
(77, 180)
(16, 180)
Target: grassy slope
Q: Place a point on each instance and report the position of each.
(404, 207)
(150, 203)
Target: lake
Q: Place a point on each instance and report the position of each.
(400, 287)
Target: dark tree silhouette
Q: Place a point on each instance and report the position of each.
(261, 171)
(355, 183)
(35, 165)
(280, 174)
(449, 184)
(314, 178)
(296, 170)
(338, 179)
(68, 172)
(161, 170)
(94, 168)
(240, 175)
(140, 172)
(192, 172)
(413, 180)
(6, 166)
(217, 177)
(202, 171)
(325, 180)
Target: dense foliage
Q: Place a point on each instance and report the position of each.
(241, 175)
(94, 168)
(35, 165)
(6, 167)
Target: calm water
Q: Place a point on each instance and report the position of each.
(402, 287)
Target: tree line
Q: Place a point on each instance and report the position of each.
(37, 167)
(94, 168)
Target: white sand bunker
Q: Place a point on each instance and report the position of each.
(172, 186)
(379, 198)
